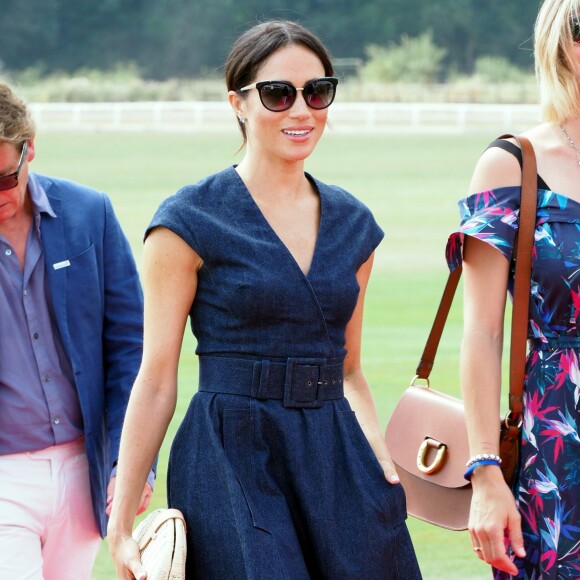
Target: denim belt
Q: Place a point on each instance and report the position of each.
(554, 343)
(299, 382)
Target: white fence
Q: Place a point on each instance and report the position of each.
(344, 117)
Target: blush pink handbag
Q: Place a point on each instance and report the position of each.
(426, 434)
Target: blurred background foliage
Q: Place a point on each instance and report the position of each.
(174, 49)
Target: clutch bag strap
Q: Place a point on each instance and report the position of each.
(522, 277)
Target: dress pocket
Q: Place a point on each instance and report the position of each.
(240, 450)
(362, 445)
(376, 487)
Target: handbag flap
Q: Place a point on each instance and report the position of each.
(425, 414)
(149, 528)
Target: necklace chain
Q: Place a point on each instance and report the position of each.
(572, 144)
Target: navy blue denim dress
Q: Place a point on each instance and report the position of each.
(270, 466)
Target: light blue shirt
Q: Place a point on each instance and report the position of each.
(39, 406)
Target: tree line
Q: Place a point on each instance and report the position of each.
(190, 38)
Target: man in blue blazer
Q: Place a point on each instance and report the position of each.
(70, 348)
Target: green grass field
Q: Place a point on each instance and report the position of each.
(411, 182)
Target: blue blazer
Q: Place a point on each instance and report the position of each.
(98, 306)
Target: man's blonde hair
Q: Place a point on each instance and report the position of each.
(556, 71)
(16, 124)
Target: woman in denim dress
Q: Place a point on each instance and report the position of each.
(279, 465)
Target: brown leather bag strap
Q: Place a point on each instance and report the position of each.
(523, 269)
(522, 276)
(428, 357)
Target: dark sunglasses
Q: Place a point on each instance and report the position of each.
(11, 181)
(575, 29)
(281, 95)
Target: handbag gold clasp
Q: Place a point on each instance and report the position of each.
(437, 462)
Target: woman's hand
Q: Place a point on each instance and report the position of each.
(493, 513)
(389, 470)
(126, 556)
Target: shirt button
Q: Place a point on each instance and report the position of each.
(46, 379)
(35, 335)
(57, 421)
(26, 293)
(8, 252)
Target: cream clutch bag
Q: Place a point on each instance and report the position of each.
(161, 540)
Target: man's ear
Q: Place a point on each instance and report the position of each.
(31, 153)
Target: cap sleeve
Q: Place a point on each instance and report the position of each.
(490, 216)
(375, 235)
(345, 213)
(179, 214)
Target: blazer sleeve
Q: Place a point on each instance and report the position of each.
(122, 324)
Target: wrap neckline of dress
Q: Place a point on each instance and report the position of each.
(268, 227)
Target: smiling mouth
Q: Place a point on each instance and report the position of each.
(296, 133)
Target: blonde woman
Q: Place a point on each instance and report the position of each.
(537, 536)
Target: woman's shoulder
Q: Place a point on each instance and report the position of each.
(195, 202)
(497, 167)
(500, 165)
(208, 190)
(338, 196)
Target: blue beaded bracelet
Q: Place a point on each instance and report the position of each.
(476, 464)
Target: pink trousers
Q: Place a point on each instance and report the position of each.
(47, 527)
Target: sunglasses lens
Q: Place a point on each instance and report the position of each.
(277, 96)
(8, 182)
(319, 94)
(575, 29)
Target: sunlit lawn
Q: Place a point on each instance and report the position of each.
(411, 183)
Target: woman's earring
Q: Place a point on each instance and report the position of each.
(241, 120)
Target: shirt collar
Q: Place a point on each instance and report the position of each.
(40, 202)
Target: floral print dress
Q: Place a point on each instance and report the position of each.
(548, 489)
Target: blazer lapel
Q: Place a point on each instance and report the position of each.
(55, 257)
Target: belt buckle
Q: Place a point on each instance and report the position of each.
(303, 377)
